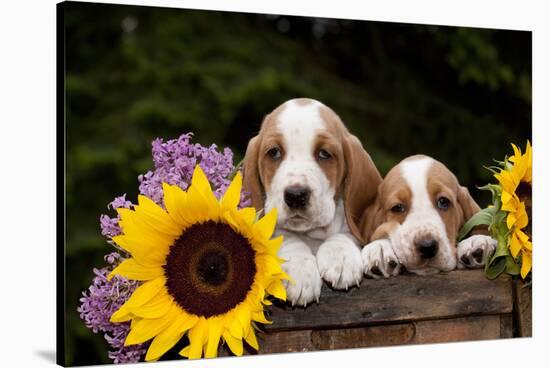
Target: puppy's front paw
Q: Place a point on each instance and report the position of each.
(306, 283)
(379, 259)
(340, 263)
(474, 251)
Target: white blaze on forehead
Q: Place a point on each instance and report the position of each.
(299, 124)
(415, 172)
(422, 220)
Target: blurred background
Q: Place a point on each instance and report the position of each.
(136, 73)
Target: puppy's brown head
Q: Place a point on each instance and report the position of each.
(303, 162)
(421, 206)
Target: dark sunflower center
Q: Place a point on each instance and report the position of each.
(213, 268)
(210, 269)
(523, 191)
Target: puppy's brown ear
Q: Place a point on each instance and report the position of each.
(251, 173)
(469, 208)
(371, 221)
(360, 184)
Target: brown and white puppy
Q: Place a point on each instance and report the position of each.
(306, 164)
(414, 222)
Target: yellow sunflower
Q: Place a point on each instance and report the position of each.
(207, 268)
(516, 182)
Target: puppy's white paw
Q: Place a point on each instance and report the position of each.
(474, 251)
(339, 262)
(306, 281)
(379, 259)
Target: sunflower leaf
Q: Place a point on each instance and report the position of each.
(494, 189)
(483, 217)
(495, 267)
(512, 268)
(498, 262)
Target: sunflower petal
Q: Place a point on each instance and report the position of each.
(233, 326)
(121, 315)
(511, 220)
(155, 308)
(200, 182)
(232, 195)
(260, 317)
(132, 270)
(146, 250)
(277, 289)
(228, 217)
(155, 216)
(273, 245)
(169, 337)
(196, 205)
(526, 264)
(251, 340)
(243, 315)
(248, 215)
(197, 336)
(214, 334)
(175, 199)
(515, 245)
(269, 264)
(145, 329)
(235, 345)
(266, 225)
(185, 351)
(145, 292)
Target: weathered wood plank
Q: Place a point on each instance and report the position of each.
(402, 298)
(458, 329)
(506, 326)
(422, 332)
(286, 342)
(523, 306)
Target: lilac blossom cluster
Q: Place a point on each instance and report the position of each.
(109, 226)
(100, 301)
(174, 162)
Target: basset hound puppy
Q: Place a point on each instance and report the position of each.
(307, 165)
(419, 210)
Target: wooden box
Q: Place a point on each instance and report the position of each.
(408, 309)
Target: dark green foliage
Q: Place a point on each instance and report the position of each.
(135, 73)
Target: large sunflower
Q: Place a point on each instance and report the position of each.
(207, 268)
(516, 182)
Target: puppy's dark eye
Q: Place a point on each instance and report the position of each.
(324, 155)
(398, 208)
(274, 153)
(443, 203)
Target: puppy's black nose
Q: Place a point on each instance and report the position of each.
(427, 247)
(297, 197)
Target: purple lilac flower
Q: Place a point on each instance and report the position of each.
(100, 301)
(175, 160)
(109, 225)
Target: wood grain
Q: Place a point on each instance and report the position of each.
(402, 298)
(421, 332)
(523, 312)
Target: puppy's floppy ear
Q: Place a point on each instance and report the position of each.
(469, 208)
(372, 219)
(360, 183)
(251, 173)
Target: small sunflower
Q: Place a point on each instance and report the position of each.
(206, 266)
(516, 183)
